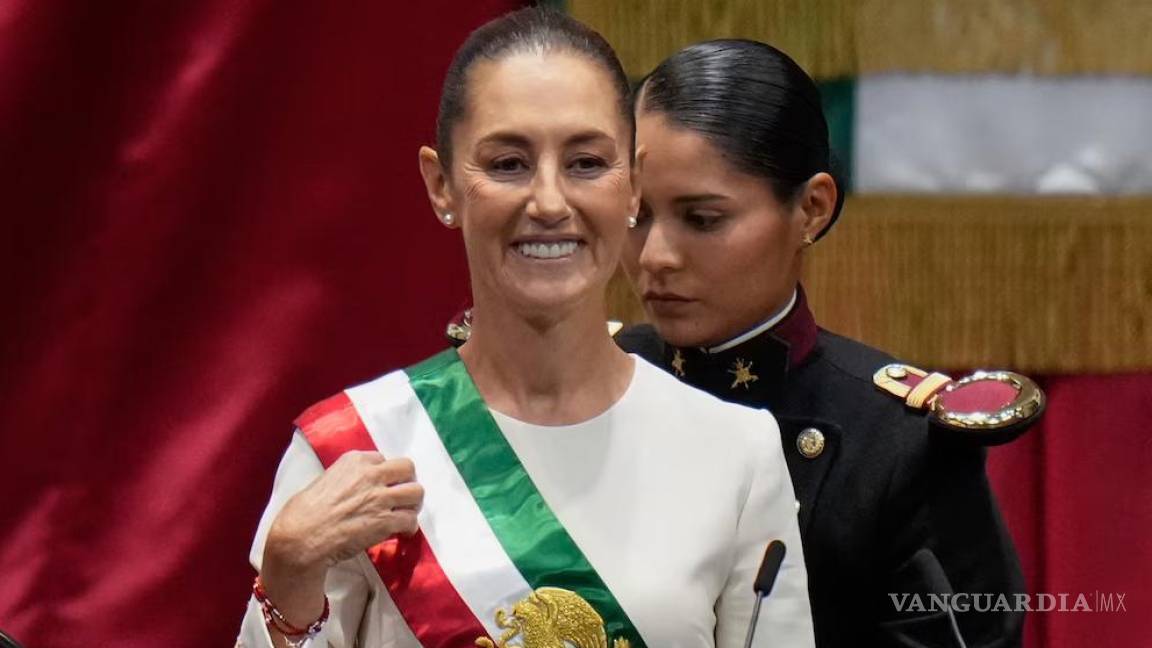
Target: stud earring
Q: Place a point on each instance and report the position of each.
(808, 240)
(631, 222)
(448, 219)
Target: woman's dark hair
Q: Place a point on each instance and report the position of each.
(752, 102)
(529, 30)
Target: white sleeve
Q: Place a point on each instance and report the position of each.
(346, 586)
(769, 514)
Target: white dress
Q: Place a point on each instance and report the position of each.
(671, 494)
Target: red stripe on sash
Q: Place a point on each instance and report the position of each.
(431, 606)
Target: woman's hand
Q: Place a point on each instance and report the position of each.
(361, 500)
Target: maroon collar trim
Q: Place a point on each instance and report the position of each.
(797, 330)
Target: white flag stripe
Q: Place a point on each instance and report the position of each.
(1003, 134)
(459, 535)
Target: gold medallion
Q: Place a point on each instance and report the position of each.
(551, 617)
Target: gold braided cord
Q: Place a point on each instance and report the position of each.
(1041, 285)
(834, 38)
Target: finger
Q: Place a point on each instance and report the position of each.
(405, 496)
(359, 457)
(368, 456)
(404, 522)
(397, 471)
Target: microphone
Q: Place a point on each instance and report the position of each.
(765, 579)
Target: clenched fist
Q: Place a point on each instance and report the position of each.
(360, 501)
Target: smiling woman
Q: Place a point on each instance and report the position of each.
(564, 495)
(539, 179)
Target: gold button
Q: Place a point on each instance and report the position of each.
(810, 443)
(896, 372)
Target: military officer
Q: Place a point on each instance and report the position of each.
(895, 506)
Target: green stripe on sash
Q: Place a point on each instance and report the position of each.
(534, 539)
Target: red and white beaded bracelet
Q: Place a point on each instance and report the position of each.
(295, 636)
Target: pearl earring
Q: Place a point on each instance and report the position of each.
(448, 219)
(631, 222)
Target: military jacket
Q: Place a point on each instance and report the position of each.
(890, 512)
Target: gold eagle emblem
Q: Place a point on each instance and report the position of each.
(551, 617)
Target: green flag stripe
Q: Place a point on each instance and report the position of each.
(523, 523)
(839, 98)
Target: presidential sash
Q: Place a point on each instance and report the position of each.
(491, 565)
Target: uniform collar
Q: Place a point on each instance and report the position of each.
(753, 369)
(762, 328)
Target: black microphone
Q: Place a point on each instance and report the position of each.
(765, 579)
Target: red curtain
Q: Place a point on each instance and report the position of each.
(1077, 495)
(212, 216)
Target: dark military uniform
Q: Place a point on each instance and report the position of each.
(887, 506)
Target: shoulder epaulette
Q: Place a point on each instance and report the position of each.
(985, 407)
